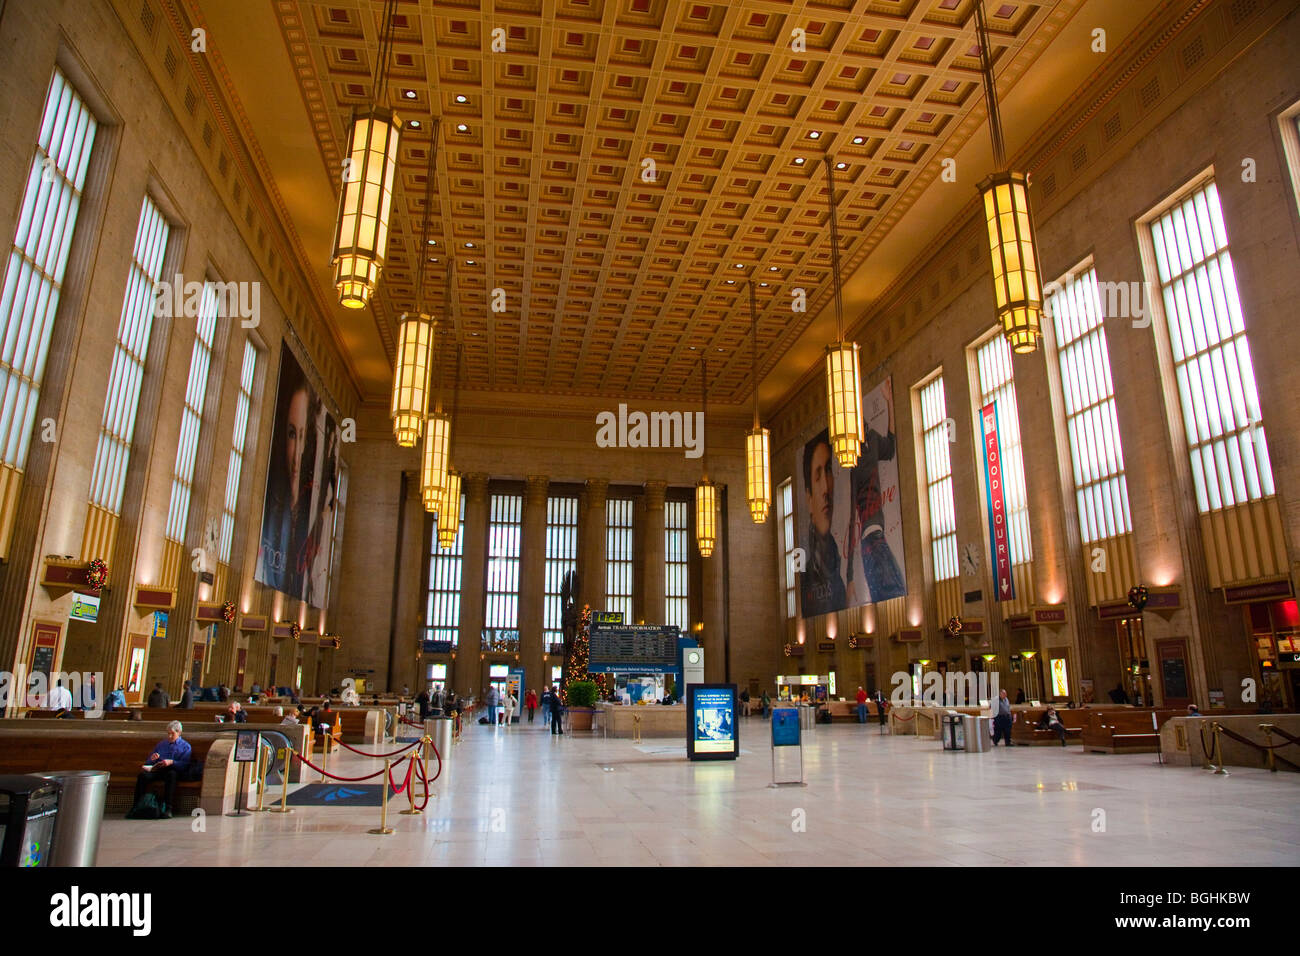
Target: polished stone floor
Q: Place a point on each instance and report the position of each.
(522, 797)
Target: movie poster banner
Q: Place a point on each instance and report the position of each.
(297, 540)
(852, 520)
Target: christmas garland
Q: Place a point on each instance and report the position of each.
(1137, 597)
(294, 630)
(97, 574)
(228, 612)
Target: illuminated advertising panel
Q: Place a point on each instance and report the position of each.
(711, 731)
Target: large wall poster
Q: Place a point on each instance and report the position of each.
(852, 521)
(301, 491)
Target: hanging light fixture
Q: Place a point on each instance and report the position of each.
(706, 492)
(436, 459)
(843, 373)
(369, 173)
(1017, 286)
(758, 469)
(449, 510)
(415, 340)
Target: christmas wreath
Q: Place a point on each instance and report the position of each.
(228, 612)
(294, 630)
(853, 643)
(954, 625)
(1137, 597)
(787, 650)
(97, 574)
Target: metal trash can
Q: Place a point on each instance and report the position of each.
(807, 717)
(979, 733)
(953, 731)
(29, 809)
(439, 729)
(81, 811)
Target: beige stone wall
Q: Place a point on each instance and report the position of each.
(140, 147)
(1219, 114)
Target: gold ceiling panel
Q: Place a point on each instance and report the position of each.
(615, 163)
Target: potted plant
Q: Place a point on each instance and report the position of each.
(580, 698)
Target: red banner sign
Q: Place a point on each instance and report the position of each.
(999, 543)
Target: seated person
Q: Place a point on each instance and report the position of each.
(170, 759)
(1051, 720)
(325, 720)
(1193, 710)
(233, 714)
(116, 700)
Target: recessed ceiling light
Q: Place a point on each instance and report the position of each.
(414, 124)
(731, 282)
(762, 285)
(859, 140)
(814, 134)
(739, 265)
(798, 160)
(433, 242)
(432, 259)
(469, 262)
(469, 245)
(409, 94)
(771, 268)
(460, 98)
(461, 128)
(841, 165)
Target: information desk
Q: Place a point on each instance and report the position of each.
(657, 720)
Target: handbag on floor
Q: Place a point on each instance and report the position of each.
(148, 807)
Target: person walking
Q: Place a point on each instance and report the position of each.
(546, 706)
(491, 699)
(530, 701)
(862, 705)
(557, 713)
(1002, 718)
(511, 704)
(766, 701)
(880, 707)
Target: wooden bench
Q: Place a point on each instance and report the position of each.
(207, 714)
(846, 711)
(41, 713)
(1126, 731)
(1025, 732)
(121, 752)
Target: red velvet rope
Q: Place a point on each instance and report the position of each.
(334, 776)
(902, 719)
(406, 782)
(395, 753)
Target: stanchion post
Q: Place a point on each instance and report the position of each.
(261, 778)
(1268, 742)
(384, 829)
(1218, 746)
(410, 786)
(284, 792)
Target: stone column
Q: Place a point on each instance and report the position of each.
(713, 637)
(591, 556)
(653, 549)
(532, 583)
(467, 675)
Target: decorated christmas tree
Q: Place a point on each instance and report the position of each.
(580, 655)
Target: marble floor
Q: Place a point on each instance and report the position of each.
(522, 797)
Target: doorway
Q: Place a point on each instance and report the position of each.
(1135, 667)
(1175, 683)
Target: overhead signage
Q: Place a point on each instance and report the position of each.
(999, 543)
(633, 648)
(711, 731)
(85, 607)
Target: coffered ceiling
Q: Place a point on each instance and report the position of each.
(621, 168)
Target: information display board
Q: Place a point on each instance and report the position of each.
(633, 649)
(711, 729)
